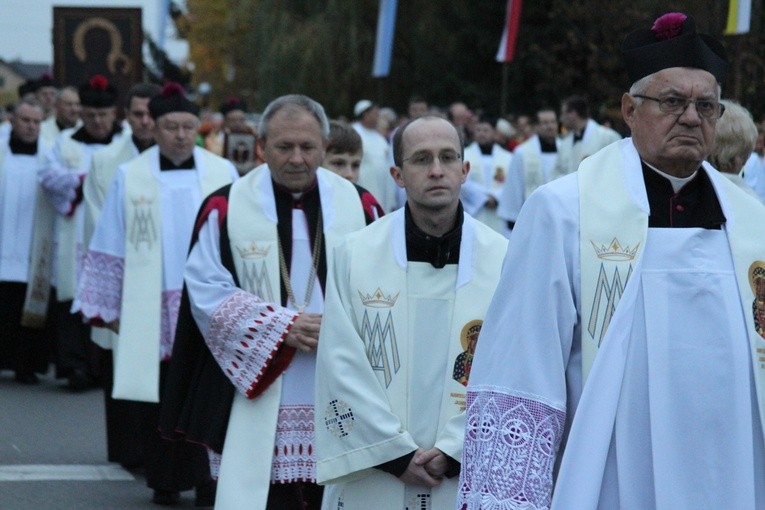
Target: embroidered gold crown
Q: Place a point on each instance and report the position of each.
(377, 299)
(138, 202)
(253, 251)
(615, 251)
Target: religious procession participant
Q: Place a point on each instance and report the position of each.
(489, 163)
(62, 179)
(26, 236)
(66, 114)
(374, 174)
(405, 303)
(620, 364)
(584, 137)
(125, 419)
(133, 272)
(343, 156)
(241, 379)
(532, 165)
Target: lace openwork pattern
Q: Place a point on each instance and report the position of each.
(243, 336)
(510, 448)
(171, 303)
(100, 293)
(294, 458)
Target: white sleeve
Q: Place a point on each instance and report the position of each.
(520, 376)
(513, 190)
(59, 183)
(242, 331)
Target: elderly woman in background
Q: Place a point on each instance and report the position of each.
(735, 137)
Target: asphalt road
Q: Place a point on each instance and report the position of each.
(53, 452)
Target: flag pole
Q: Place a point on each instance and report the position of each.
(503, 97)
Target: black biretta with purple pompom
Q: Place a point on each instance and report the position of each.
(172, 99)
(672, 41)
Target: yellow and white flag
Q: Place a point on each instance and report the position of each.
(739, 17)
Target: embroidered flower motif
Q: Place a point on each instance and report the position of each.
(668, 26)
(99, 82)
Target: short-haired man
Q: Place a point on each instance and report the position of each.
(621, 358)
(132, 275)
(26, 230)
(68, 163)
(374, 174)
(241, 380)
(532, 165)
(406, 300)
(489, 164)
(124, 432)
(66, 114)
(584, 138)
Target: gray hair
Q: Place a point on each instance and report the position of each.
(639, 87)
(735, 137)
(300, 101)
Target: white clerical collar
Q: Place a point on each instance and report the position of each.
(677, 182)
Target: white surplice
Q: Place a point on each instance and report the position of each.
(18, 194)
(669, 416)
(529, 169)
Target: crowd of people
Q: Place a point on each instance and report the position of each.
(443, 309)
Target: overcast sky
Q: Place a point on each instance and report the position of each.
(26, 27)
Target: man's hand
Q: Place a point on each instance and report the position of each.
(433, 461)
(304, 333)
(416, 474)
(491, 203)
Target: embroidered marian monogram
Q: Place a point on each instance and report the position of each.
(254, 274)
(617, 260)
(143, 229)
(380, 340)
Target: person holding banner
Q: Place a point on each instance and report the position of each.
(621, 360)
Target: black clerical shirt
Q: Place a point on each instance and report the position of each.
(19, 146)
(167, 164)
(694, 205)
(82, 135)
(439, 251)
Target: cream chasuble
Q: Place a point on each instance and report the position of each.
(245, 475)
(487, 175)
(394, 355)
(137, 348)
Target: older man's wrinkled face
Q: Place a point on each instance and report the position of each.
(99, 122)
(675, 143)
(26, 122)
(293, 147)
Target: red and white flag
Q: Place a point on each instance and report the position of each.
(506, 51)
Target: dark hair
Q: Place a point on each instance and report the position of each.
(398, 138)
(578, 104)
(142, 90)
(343, 139)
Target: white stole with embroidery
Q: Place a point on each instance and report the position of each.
(137, 350)
(245, 470)
(362, 416)
(613, 228)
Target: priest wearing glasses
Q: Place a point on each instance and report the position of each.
(621, 361)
